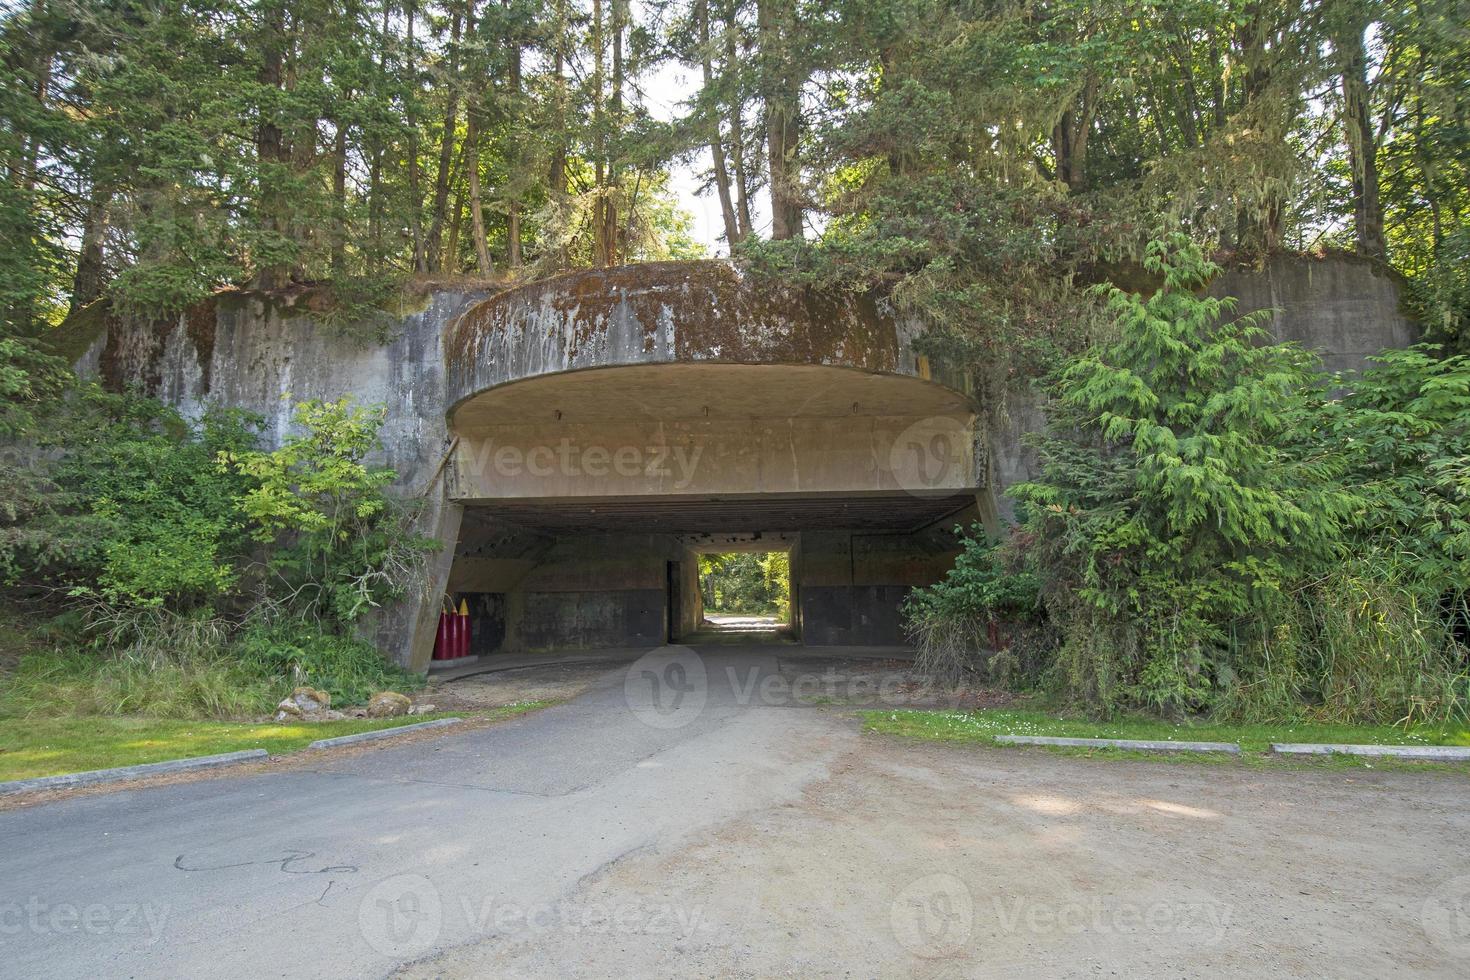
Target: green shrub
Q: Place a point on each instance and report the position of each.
(1404, 429)
(152, 662)
(1358, 645)
(128, 505)
(336, 543)
(1219, 528)
(1169, 508)
(950, 622)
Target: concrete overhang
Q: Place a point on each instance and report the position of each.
(674, 313)
(696, 380)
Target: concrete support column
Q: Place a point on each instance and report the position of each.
(405, 629)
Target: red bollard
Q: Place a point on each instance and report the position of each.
(441, 638)
(464, 628)
(454, 632)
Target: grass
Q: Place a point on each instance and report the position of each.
(31, 747)
(190, 669)
(983, 725)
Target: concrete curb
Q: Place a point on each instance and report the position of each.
(1436, 753)
(94, 777)
(1120, 743)
(328, 743)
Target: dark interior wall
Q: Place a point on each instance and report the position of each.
(572, 590)
(689, 603)
(588, 620)
(582, 590)
(850, 586)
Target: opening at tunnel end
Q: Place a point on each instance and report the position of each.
(745, 596)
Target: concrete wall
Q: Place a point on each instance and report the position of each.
(264, 354)
(1344, 308)
(849, 586)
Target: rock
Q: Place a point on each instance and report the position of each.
(309, 699)
(421, 709)
(388, 704)
(307, 704)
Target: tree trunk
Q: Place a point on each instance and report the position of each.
(1362, 142)
(611, 232)
(513, 206)
(1257, 232)
(339, 200)
(556, 177)
(432, 249)
(375, 169)
(782, 123)
(472, 162)
(91, 275)
(1069, 139)
(415, 196)
(716, 149)
(269, 146)
(600, 251)
(477, 212)
(451, 248)
(737, 128)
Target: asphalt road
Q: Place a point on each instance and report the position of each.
(693, 817)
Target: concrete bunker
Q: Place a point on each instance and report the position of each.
(825, 428)
(600, 449)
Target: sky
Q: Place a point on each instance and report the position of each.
(665, 93)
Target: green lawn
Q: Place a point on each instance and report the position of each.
(49, 746)
(985, 724)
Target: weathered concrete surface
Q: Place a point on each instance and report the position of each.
(715, 430)
(264, 354)
(1438, 753)
(668, 398)
(1341, 307)
(382, 733)
(671, 312)
(1137, 744)
(763, 837)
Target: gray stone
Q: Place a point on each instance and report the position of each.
(1436, 753)
(382, 733)
(95, 777)
(1144, 745)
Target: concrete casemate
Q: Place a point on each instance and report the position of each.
(577, 442)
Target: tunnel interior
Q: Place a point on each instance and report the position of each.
(587, 498)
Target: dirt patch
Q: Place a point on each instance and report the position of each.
(940, 861)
